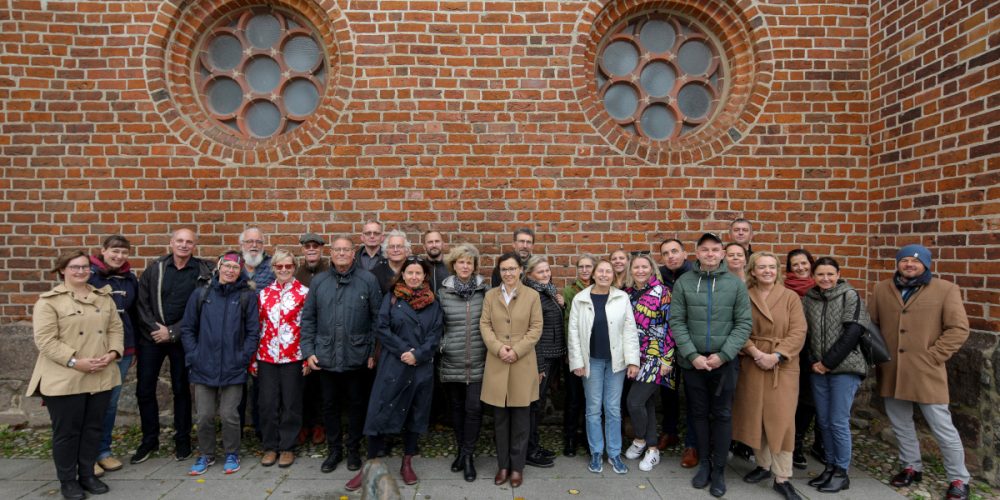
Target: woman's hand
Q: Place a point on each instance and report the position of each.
(632, 371)
(579, 372)
(561, 300)
(409, 358)
(819, 368)
(766, 361)
(89, 365)
(665, 370)
(507, 354)
(541, 375)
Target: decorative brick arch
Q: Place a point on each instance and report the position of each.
(743, 38)
(169, 57)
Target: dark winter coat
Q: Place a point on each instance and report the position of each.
(671, 277)
(551, 347)
(835, 317)
(220, 342)
(263, 274)
(463, 353)
(439, 271)
(401, 394)
(124, 291)
(150, 289)
(709, 313)
(338, 319)
(384, 274)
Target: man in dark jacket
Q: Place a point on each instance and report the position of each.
(524, 241)
(164, 290)
(675, 264)
(313, 264)
(111, 268)
(338, 341)
(220, 331)
(434, 250)
(711, 321)
(741, 232)
(370, 252)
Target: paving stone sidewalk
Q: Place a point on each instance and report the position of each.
(167, 479)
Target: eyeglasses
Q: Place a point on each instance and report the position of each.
(341, 250)
(396, 247)
(284, 267)
(509, 270)
(78, 269)
(636, 253)
(254, 242)
(372, 233)
(231, 267)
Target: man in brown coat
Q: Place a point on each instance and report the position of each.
(924, 324)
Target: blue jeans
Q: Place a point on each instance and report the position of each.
(834, 395)
(104, 449)
(604, 388)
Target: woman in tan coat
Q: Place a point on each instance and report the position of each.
(768, 388)
(80, 339)
(511, 324)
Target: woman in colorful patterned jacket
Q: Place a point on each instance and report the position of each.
(651, 305)
(279, 364)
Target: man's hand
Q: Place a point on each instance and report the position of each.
(161, 334)
(701, 363)
(371, 363)
(714, 361)
(313, 363)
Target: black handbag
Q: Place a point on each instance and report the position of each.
(872, 345)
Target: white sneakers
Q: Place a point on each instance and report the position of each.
(634, 451)
(650, 460)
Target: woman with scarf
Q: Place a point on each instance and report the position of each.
(651, 306)
(549, 350)
(409, 328)
(574, 405)
(463, 353)
(111, 268)
(798, 278)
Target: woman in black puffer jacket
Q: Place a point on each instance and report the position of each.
(463, 354)
(549, 350)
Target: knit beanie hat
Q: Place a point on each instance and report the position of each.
(920, 252)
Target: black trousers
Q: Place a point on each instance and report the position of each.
(466, 413)
(148, 364)
(280, 404)
(376, 443)
(710, 401)
(350, 390)
(77, 424)
(538, 406)
(312, 406)
(574, 407)
(511, 435)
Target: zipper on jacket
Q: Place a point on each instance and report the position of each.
(468, 342)
(708, 319)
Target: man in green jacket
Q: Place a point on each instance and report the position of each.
(710, 319)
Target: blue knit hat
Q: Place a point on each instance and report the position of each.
(919, 251)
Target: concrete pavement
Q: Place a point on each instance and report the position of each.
(167, 479)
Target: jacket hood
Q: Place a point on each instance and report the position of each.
(839, 289)
(101, 267)
(449, 283)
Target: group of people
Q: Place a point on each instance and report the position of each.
(760, 348)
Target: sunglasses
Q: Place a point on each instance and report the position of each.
(636, 253)
(414, 258)
(283, 267)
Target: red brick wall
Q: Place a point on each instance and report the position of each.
(476, 118)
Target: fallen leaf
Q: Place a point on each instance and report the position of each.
(199, 480)
(574, 492)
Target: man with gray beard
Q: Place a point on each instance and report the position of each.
(258, 262)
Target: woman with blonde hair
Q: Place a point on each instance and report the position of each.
(619, 264)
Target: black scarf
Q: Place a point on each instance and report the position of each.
(907, 286)
(548, 288)
(465, 289)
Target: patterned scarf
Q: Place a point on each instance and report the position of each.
(417, 298)
(467, 288)
(907, 286)
(548, 288)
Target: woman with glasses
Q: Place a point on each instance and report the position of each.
(511, 325)
(279, 365)
(80, 340)
(573, 408)
(603, 348)
(409, 328)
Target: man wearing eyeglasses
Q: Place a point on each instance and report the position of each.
(396, 249)
(258, 262)
(524, 241)
(338, 342)
(164, 290)
(370, 253)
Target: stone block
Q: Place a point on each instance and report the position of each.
(19, 352)
(965, 368)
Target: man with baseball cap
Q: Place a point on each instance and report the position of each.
(923, 321)
(710, 319)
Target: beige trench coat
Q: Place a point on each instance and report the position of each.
(518, 325)
(67, 327)
(765, 401)
(921, 336)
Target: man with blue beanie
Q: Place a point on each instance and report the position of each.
(924, 323)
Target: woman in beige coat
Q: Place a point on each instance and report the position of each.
(511, 325)
(80, 339)
(768, 388)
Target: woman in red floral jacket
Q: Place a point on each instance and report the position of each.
(280, 366)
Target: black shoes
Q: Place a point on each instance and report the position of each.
(569, 449)
(93, 485)
(543, 452)
(718, 485)
(330, 464)
(702, 477)
(143, 452)
(906, 477)
(537, 460)
(838, 481)
(823, 477)
(957, 491)
(456, 466)
(786, 490)
(799, 459)
(468, 468)
(757, 475)
(353, 459)
(71, 490)
(182, 451)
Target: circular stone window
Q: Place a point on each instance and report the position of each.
(659, 76)
(260, 73)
